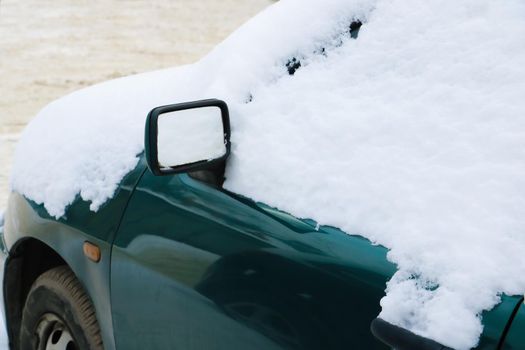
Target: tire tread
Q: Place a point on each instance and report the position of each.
(63, 280)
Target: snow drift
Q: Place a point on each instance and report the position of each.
(413, 136)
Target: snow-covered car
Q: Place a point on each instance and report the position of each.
(355, 181)
(174, 260)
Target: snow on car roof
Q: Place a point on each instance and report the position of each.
(413, 136)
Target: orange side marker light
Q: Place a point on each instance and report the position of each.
(92, 251)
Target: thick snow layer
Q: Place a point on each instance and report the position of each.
(86, 142)
(413, 135)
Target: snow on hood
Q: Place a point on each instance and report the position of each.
(413, 136)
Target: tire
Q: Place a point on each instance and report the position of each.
(58, 315)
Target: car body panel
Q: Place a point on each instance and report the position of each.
(25, 219)
(515, 338)
(185, 251)
(3, 258)
(68, 242)
(199, 250)
(495, 321)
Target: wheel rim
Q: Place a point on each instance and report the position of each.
(53, 334)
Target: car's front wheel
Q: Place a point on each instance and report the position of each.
(58, 314)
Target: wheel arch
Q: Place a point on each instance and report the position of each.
(28, 259)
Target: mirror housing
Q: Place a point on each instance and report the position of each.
(210, 147)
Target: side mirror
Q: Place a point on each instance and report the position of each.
(187, 136)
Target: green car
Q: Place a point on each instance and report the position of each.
(174, 261)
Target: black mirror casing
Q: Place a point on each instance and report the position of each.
(151, 137)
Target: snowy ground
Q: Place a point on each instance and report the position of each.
(8, 138)
(49, 48)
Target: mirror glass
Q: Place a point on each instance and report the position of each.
(190, 135)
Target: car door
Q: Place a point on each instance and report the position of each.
(514, 338)
(174, 229)
(194, 267)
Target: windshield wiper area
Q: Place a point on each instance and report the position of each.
(294, 63)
